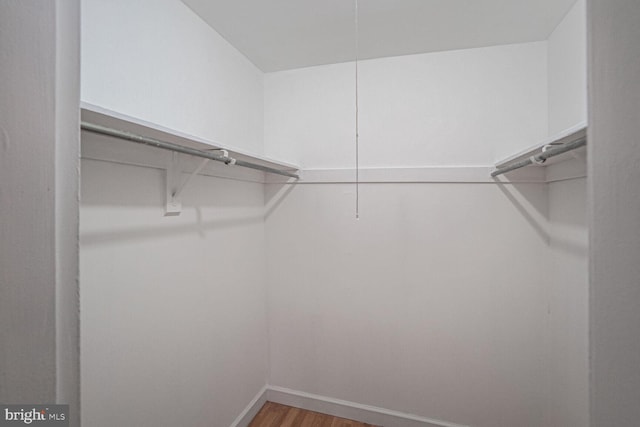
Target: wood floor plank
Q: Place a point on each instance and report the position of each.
(276, 415)
(312, 419)
(328, 421)
(294, 418)
(259, 418)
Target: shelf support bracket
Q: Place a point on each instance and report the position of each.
(175, 187)
(180, 189)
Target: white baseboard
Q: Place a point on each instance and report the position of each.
(336, 407)
(252, 409)
(350, 410)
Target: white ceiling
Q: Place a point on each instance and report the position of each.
(284, 34)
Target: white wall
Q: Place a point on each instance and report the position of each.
(567, 61)
(39, 144)
(566, 276)
(614, 214)
(430, 304)
(27, 209)
(467, 107)
(433, 302)
(158, 61)
(173, 308)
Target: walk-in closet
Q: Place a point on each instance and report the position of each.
(407, 213)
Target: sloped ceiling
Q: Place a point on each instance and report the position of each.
(283, 34)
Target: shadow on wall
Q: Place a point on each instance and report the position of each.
(564, 226)
(130, 202)
(572, 247)
(274, 195)
(530, 204)
(157, 232)
(568, 217)
(523, 200)
(109, 183)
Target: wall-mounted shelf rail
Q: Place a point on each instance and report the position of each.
(218, 155)
(570, 140)
(102, 121)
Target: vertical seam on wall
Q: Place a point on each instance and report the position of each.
(267, 286)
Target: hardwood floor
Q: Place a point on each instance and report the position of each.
(276, 415)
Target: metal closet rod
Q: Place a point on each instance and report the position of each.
(127, 136)
(542, 157)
